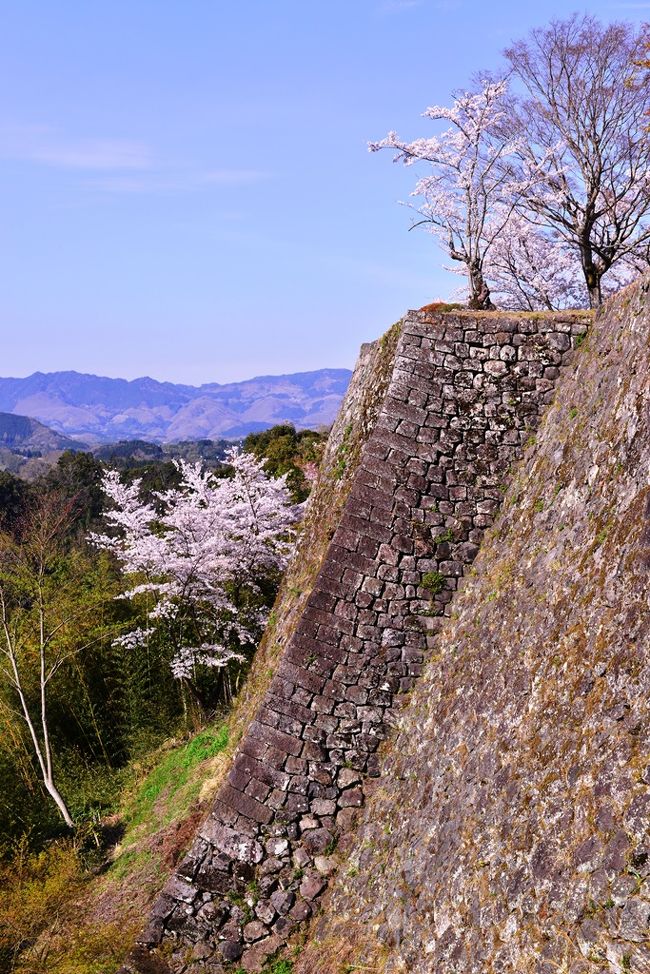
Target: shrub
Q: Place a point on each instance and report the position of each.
(433, 582)
(442, 307)
(38, 890)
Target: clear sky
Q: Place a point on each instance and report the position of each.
(185, 186)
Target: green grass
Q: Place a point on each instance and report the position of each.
(342, 453)
(281, 967)
(277, 967)
(130, 861)
(51, 897)
(165, 795)
(171, 775)
(447, 535)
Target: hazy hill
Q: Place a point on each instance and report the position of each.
(20, 434)
(104, 409)
(28, 447)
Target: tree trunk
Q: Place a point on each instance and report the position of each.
(593, 276)
(479, 299)
(592, 280)
(595, 296)
(44, 759)
(55, 794)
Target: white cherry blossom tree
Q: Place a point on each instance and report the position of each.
(531, 269)
(534, 269)
(546, 187)
(472, 177)
(200, 559)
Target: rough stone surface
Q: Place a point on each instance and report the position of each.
(465, 393)
(510, 832)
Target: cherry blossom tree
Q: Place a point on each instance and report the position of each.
(582, 131)
(472, 177)
(534, 269)
(530, 268)
(571, 158)
(200, 559)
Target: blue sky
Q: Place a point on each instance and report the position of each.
(185, 186)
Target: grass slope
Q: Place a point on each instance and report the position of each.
(62, 913)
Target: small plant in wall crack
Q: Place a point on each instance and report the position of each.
(280, 967)
(447, 535)
(433, 582)
(330, 847)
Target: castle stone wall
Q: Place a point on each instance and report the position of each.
(511, 829)
(465, 395)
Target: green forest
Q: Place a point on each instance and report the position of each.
(96, 723)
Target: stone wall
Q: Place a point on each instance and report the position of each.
(464, 394)
(511, 829)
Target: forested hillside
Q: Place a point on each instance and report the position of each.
(107, 676)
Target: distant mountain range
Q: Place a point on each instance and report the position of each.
(97, 409)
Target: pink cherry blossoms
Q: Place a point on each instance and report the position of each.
(539, 188)
(472, 176)
(202, 559)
